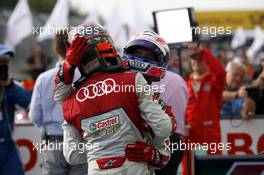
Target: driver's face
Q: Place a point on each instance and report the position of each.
(144, 53)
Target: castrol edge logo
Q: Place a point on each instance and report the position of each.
(106, 123)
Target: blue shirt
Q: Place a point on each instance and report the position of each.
(232, 108)
(13, 95)
(44, 112)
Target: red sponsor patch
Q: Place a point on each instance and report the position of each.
(104, 123)
(161, 40)
(111, 162)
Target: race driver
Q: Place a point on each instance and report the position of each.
(148, 53)
(97, 115)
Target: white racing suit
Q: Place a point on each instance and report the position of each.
(106, 114)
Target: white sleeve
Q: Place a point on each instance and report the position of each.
(62, 91)
(71, 145)
(151, 111)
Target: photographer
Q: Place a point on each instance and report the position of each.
(236, 99)
(257, 88)
(10, 95)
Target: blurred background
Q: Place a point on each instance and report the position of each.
(242, 41)
(125, 18)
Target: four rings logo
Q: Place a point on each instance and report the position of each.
(95, 90)
(137, 64)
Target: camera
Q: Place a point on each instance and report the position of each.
(257, 94)
(3, 71)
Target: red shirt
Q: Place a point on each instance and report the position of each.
(203, 110)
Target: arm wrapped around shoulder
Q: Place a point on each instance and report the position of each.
(71, 141)
(152, 112)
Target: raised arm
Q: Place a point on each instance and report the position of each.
(65, 75)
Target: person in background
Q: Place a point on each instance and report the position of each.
(10, 95)
(173, 65)
(205, 87)
(38, 62)
(258, 82)
(236, 101)
(249, 68)
(226, 55)
(258, 78)
(47, 114)
(258, 75)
